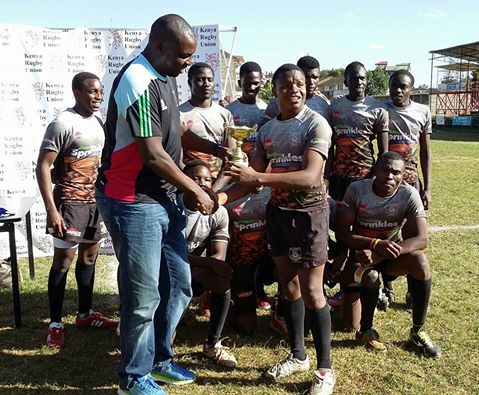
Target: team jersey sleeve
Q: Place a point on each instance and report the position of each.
(351, 197)
(273, 109)
(55, 138)
(415, 208)
(229, 117)
(220, 233)
(259, 150)
(381, 123)
(328, 113)
(144, 114)
(319, 136)
(427, 128)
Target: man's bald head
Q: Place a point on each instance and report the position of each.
(171, 45)
(170, 27)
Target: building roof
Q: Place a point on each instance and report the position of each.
(400, 66)
(328, 81)
(238, 58)
(465, 52)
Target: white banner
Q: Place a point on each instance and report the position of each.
(36, 69)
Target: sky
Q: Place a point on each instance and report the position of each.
(273, 32)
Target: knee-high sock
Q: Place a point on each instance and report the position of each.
(280, 307)
(320, 323)
(219, 306)
(420, 293)
(294, 318)
(85, 276)
(56, 292)
(388, 281)
(369, 298)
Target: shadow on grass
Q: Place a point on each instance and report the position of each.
(401, 306)
(409, 347)
(88, 361)
(195, 334)
(455, 133)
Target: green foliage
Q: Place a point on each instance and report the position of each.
(474, 78)
(332, 73)
(378, 81)
(266, 91)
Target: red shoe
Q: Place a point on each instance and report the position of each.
(95, 319)
(336, 300)
(278, 324)
(264, 302)
(55, 337)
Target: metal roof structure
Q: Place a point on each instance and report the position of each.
(459, 66)
(466, 52)
(458, 94)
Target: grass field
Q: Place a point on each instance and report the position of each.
(88, 363)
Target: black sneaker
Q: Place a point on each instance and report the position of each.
(424, 343)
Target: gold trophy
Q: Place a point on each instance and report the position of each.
(239, 133)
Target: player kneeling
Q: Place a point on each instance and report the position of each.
(210, 272)
(384, 224)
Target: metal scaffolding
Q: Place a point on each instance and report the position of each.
(458, 92)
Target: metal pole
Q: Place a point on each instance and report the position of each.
(14, 264)
(234, 30)
(31, 263)
(430, 86)
(223, 59)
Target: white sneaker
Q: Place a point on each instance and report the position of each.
(287, 367)
(323, 382)
(220, 354)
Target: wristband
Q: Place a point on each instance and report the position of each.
(371, 243)
(375, 244)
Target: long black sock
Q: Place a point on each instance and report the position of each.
(280, 307)
(420, 293)
(294, 318)
(219, 305)
(56, 292)
(320, 323)
(85, 275)
(369, 298)
(388, 282)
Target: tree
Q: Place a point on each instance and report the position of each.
(266, 91)
(475, 78)
(332, 73)
(378, 82)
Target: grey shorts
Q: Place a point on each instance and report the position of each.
(300, 235)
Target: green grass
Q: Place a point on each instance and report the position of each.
(455, 177)
(88, 363)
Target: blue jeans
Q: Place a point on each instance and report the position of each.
(155, 279)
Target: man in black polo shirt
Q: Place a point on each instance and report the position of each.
(137, 196)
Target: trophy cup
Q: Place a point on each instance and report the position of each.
(239, 133)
